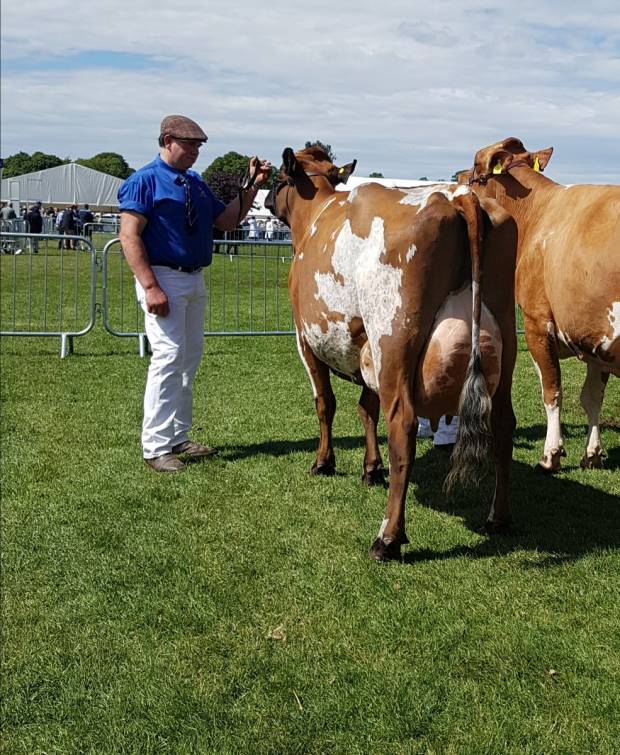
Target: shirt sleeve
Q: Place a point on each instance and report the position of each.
(136, 195)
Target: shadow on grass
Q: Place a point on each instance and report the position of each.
(560, 517)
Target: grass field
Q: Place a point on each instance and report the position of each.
(233, 609)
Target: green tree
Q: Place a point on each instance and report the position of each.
(108, 162)
(230, 164)
(225, 172)
(374, 174)
(327, 148)
(42, 161)
(21, 163)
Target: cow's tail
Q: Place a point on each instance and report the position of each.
(471, 450)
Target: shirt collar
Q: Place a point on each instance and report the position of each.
(179, 175)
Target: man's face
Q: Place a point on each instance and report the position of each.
(181, 153)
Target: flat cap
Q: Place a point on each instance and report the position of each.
(182, 128)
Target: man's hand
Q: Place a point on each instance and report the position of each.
(264, 170)
(156, 301)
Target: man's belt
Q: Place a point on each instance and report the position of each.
(180, 268)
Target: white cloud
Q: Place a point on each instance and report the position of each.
(409, 88)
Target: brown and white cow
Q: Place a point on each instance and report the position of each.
(381, 287)
(567, 280)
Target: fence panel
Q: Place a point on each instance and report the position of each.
(247, 291)
(46, 289)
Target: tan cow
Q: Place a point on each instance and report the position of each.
(382, 291)
(567, 281)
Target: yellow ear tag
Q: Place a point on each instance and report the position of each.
(497, 169)
(536, 164)
(341, 170)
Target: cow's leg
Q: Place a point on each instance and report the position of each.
(325, 403)
(592, 399)
(402, 427)
(368, 410)
(503, 423)
(543, 350)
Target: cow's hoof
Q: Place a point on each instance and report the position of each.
(492, 527)
(382, 551)
(550, 463)
(325, 469)
(593, 461)
(375, 476)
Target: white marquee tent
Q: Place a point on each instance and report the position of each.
(66, 184)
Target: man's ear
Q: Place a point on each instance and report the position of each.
(289, 162)
(541, 158)
(341, 175)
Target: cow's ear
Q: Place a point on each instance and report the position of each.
(289, 162)
(540, 159)
(341, 175)
(463, 176)
(495, 162)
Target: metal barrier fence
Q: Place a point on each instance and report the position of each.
(246, 284)
(42, 287)
(49, 290)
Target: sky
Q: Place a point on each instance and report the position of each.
(408, 88)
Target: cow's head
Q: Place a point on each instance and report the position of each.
(500, 157)
(296, 172)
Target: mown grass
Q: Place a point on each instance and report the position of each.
(232, 608)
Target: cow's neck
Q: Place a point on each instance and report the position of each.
(524, 194)
(303, 211)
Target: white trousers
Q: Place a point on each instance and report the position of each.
(177, 343)
(445, 433)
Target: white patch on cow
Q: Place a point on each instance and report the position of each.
(360, 286)
(305, 364)
(384, 524)
(378, 284)
(300, 256)
(353, 193)
(419, 195)
(410, 253)
(553, 441)
(614, 321)
(334, 347)
(551, 328)
(318, 215)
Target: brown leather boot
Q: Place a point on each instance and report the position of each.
(165, 463)
(194, 450)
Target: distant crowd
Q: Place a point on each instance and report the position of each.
(78, 221)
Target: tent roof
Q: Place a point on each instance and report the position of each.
(65, 184)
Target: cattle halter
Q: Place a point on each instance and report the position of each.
(483, 179)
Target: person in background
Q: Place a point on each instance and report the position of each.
(69, 225)
(7, 216)
(445, 437)
(86, 218)
(35, 225)
(167, 217)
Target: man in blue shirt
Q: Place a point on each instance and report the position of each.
(167, 218)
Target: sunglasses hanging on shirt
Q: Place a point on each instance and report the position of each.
(191, 216)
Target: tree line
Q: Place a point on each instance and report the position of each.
(106, 162)
(223, 174)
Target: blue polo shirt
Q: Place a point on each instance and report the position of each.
(156, 191)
